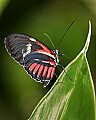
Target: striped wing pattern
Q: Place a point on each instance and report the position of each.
(35, 57)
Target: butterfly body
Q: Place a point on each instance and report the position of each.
(37, 59)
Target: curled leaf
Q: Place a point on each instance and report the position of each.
(70, 99)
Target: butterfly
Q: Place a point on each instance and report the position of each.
(37, 59)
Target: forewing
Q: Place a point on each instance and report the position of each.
(19, 45)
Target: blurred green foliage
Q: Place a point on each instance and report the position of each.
(19, 94)
(3, 4)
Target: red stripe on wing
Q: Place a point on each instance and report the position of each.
(52, 72)
(40, 70)
(45, 70)
(32, 66)
(44, 51)
(36, 68)
(49, 72)
(44, 47)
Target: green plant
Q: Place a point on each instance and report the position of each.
(70, 99)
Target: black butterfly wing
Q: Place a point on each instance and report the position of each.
(37, 59)
(16, 45)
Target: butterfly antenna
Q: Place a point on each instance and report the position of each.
(65, 33)
(66, 56)
(49, 39)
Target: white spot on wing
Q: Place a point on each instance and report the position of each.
(32, 39)
(42, 61)
(45, 53)
(28, 50)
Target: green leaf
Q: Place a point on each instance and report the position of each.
(3, 4)
(70, 98)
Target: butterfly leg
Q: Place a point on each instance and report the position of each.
(59, 68)
(65, 71)
(55, 75)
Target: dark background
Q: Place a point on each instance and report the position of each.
(19, 94)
